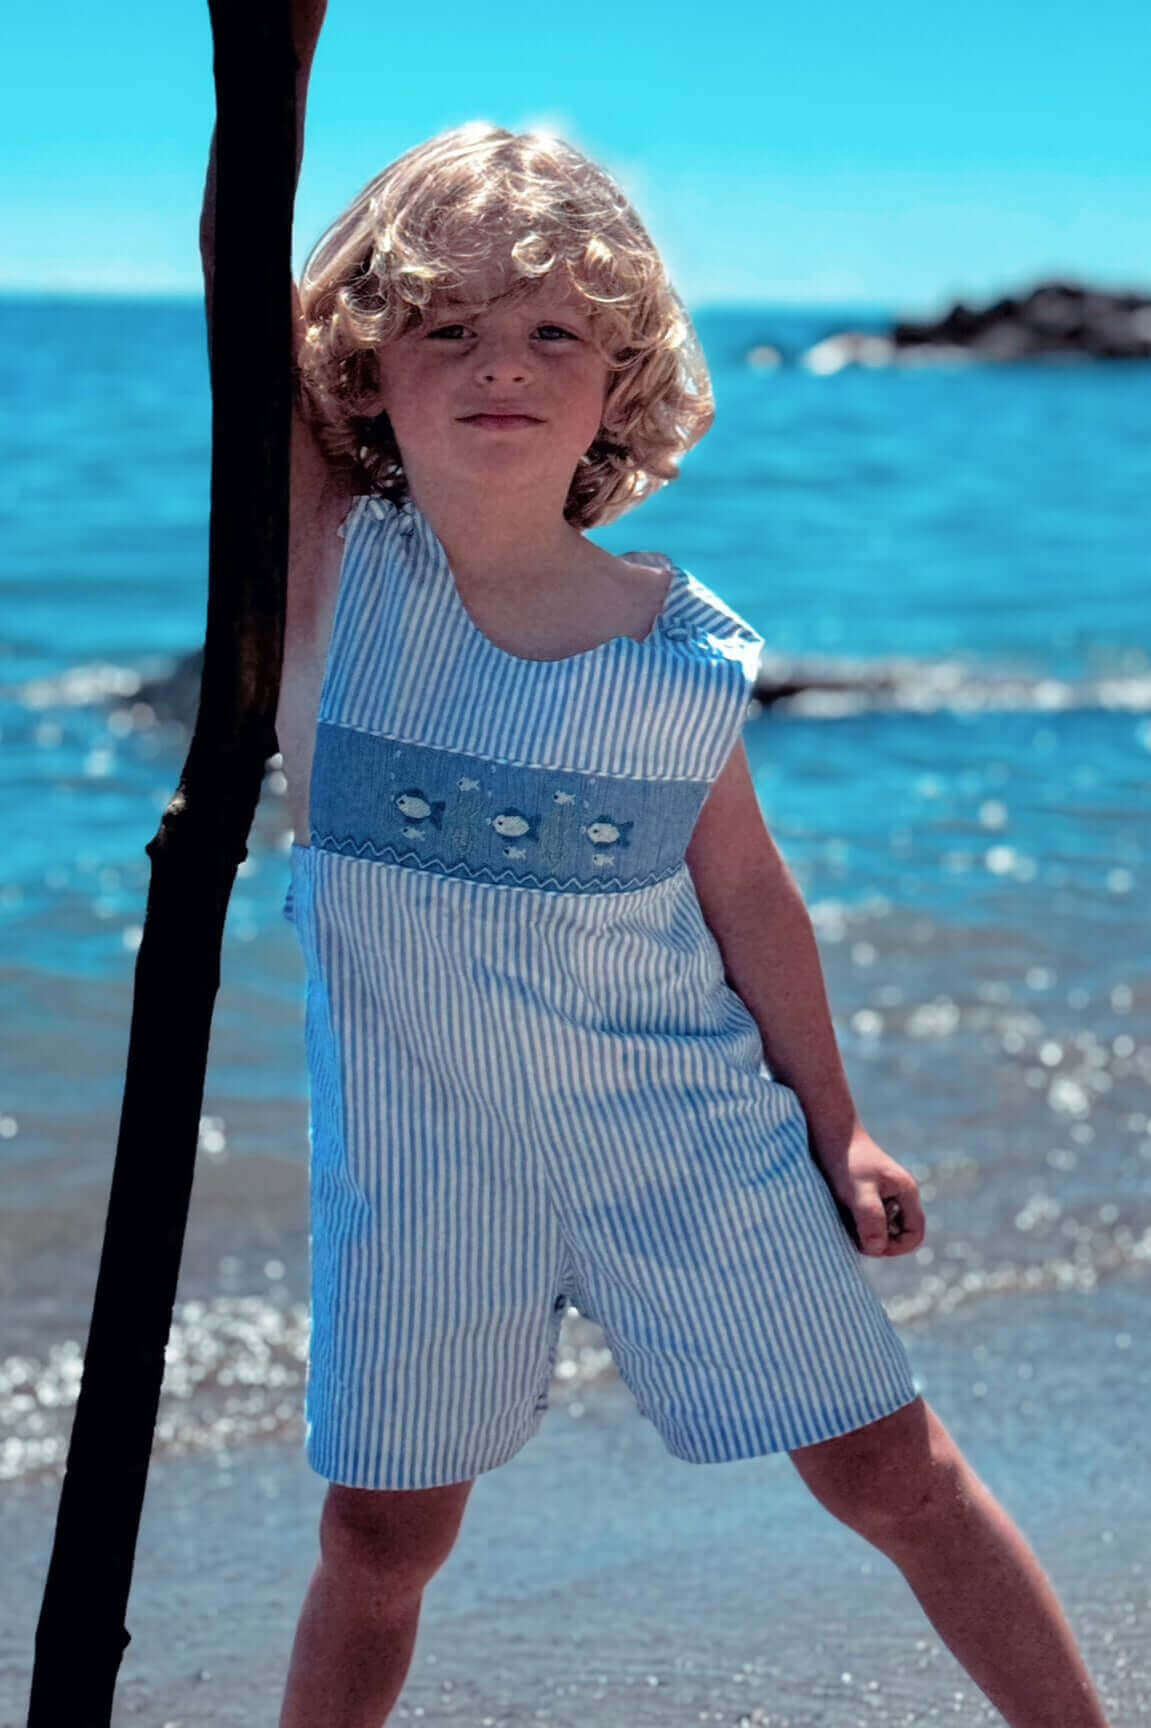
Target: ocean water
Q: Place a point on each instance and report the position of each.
(954, 557)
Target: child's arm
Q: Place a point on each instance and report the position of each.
(756, 912)
(765, 934)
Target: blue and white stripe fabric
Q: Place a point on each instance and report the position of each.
(530, 1083)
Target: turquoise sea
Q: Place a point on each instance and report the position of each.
(963, 548)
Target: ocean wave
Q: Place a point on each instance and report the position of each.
(823, 688)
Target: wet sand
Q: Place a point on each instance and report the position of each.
(598, 1580)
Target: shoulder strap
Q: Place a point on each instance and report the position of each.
(353, 515)
(710, 620)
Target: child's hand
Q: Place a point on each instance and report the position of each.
(878, 1199)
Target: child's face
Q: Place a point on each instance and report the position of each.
(506, 360)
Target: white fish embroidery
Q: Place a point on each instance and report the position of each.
(411, 833)
(417, 808)
(513, 825)
(603, 832)
(466, 785)
(563, 797)
(603, 858)
(410, 804)
(515, 852)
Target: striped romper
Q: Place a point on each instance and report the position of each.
(529, 1081)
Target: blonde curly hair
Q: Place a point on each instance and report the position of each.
(435, 223)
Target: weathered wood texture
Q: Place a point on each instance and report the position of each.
(202, 838)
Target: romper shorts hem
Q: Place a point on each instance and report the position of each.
(462, 1469)
(761, 1437)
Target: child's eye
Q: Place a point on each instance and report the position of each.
(451, 331)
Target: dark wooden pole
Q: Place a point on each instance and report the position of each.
(202, 838)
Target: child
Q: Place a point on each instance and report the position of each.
(567, 1034)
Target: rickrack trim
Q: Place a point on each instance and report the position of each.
(348, 847)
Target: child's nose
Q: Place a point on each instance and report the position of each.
(506, 362)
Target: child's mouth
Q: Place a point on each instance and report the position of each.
(500, 420)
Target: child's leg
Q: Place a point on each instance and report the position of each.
(357, 1630)
(904, 1485)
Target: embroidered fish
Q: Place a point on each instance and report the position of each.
(604, 832)
(466, 785)
(410, 833)
(416, 807)
(603, 857)
(563, 797)
(514, 825)
(515, 852)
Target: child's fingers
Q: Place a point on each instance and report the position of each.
(864, 1222)
(910, 1222)
(887, 1225)
(906, 1226)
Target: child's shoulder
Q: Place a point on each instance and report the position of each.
(698, 612)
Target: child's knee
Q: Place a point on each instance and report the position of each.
(403, 1535)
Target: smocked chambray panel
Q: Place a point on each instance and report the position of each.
(500, 822)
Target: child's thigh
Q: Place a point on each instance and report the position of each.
(405, 1532)
(885, 1472)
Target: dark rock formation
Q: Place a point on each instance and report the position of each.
(1055, 322)
(174, 698)
(1054, 318)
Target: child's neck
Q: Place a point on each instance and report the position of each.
(495, 537)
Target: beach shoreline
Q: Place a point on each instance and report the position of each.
(571, 1598)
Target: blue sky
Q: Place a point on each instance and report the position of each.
(894, 155)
